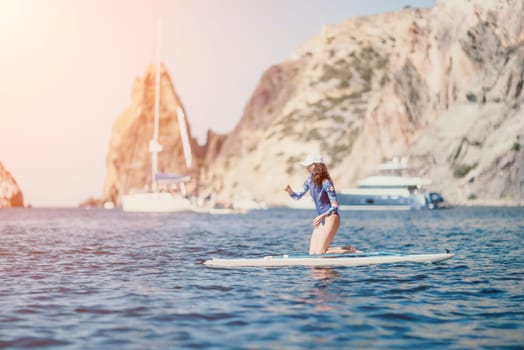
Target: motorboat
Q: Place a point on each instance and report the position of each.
(391, 189)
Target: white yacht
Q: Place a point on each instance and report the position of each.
(390, 190)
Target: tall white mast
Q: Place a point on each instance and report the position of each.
(154, 146)
(186, 146)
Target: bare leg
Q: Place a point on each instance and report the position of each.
(315, 237)
(342, 250)
(323, 235)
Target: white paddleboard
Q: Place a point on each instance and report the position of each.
(355, 259)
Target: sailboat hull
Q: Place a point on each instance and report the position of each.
(158, 202)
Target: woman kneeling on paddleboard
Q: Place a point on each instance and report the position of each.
(326, 224)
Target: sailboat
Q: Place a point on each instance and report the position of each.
(155, 199)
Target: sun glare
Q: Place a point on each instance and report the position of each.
(10, 15)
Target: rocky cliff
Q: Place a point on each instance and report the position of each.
(474, 149)
(10, 193)
(443, 86)
(128, 161)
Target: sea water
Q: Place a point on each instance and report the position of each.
(105, 279)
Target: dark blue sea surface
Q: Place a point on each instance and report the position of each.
(104, 279)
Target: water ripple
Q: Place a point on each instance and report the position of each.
(77, 279)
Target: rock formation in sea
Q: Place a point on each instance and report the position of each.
(10, 194)
(442, 86)
(128, 161)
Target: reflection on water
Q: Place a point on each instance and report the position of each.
(324, 274)
(319, 295)
(80, 279)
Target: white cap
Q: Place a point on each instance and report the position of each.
(313, 158)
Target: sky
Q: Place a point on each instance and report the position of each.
(67, 68)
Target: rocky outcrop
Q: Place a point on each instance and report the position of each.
(128, 161)
(10, 194)
(442, 85)
(222, 174)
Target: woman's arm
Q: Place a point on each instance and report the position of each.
(332, 195)
(299, 195)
